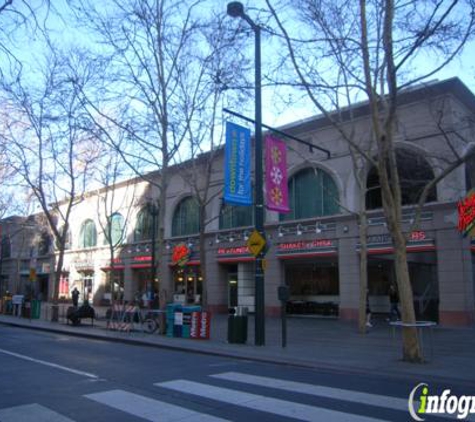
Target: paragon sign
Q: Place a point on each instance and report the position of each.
(466, 210)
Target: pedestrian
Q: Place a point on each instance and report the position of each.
(394, 303)
(368, 310)
(75, 296)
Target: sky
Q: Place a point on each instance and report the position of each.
(275, 112)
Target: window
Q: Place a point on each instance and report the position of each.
(6, 247)
(115, 230)
(312, 193)
(44, 244)
(414, 174)
(232, 216)
(186, 219)
(144, 224)
(470, 172)
(88, 235)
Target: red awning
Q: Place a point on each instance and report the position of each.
(236, 259)
(307, 255)
(116, 267)
(194, 262)
(141, 265)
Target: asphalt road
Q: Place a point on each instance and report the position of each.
(58, 378)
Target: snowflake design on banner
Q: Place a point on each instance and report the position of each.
(276, 155)
(276, 175)
(276, 195)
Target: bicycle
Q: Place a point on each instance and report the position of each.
(151, 321)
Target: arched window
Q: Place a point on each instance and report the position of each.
(144, 224)
(6, 247)
(231, 216)
(115, 230)
(88, 235)
(186, 219)
(44, 244)
(312, 193)
(470, 172)
(414, 174)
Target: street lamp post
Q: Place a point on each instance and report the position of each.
(236, 10)
(153, 273)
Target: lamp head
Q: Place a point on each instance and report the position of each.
(235, 9)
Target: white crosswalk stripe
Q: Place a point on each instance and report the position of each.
(149, 409)
(262, 403)
(31, 413)
(316, 390)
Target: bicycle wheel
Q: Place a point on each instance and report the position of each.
(150, 326)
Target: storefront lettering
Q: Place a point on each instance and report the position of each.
(142, 258)
(385, 239)
(239, 250)
(84, 265)
(417, 236)
(466, 209)
(317, 243)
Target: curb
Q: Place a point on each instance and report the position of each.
(295, 362)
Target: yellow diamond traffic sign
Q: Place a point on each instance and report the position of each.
(256, 243)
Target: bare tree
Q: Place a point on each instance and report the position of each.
(51, 148)
(158, 80)
(369, 51)
(219, 68)
(114, 209)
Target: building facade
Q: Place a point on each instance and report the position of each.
(314, 250)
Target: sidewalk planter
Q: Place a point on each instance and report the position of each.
(237, 325)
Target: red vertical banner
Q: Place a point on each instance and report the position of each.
(205, 324)
(200, 325)
(195, 324)
(277, 197)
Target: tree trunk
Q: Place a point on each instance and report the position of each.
(411, 347)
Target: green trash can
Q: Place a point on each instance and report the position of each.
(237, 325)
(35, 309)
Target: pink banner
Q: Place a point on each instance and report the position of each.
(277, 197)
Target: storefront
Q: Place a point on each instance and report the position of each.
(238, 264)
(113, 281)
(187, 278)
(422, 263)
(311, 273)
(85, 281)
(142, 274)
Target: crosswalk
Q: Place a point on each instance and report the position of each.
(306, 402)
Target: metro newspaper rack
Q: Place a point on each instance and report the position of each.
(187, 321)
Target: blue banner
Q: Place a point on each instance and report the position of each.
(237, 165)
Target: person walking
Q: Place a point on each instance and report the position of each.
(394, 303)
(75, 296)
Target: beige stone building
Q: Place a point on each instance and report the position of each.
(314, 250)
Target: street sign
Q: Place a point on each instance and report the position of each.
(32, 274)
(256, 243)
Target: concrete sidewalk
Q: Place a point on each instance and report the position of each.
(311, 342)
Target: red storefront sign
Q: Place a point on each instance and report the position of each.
(181, 255)
(466, 209)
(200, 325)
(304, 245)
